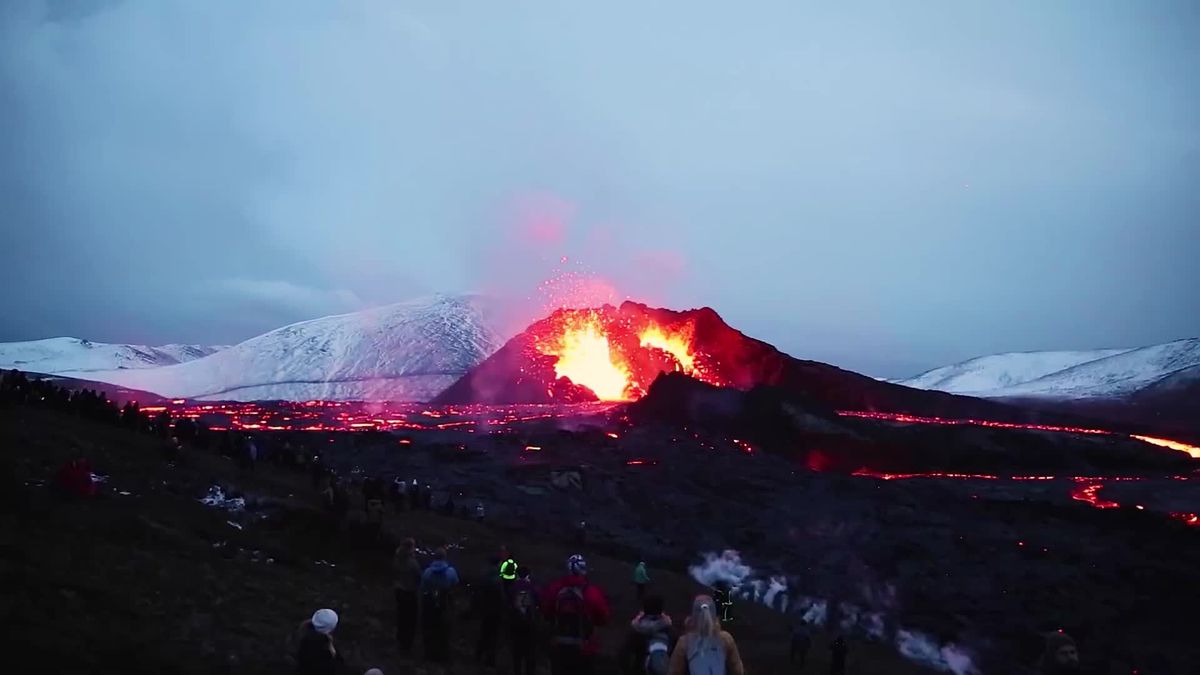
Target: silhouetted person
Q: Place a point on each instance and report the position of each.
(407, 572)
(490, 603)
(523, 623)
(641, 579)
(317, 654)
(801, 643)
(837, 656)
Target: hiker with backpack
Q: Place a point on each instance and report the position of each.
(705, 649)
(490, 604)
(437, 586)
(574, 608)
(523, 622)
(650, 640)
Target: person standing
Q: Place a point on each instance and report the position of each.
(407, 583)
(523, 623)
(317, 654)
(651, 638)
(437, 586)
(490, 604)
(641, 578)
(705, 649)
(574, 608)
(801, 643)
(838, 650)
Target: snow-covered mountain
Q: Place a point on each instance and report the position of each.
(63, 354)
(405, 351)
(988, 373)
(1102, 373)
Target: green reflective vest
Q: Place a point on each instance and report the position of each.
(508, 570)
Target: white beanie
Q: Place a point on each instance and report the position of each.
(324, 621)
(374, 671)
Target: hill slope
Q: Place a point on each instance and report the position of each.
(68, 354)
(1063, 375)
(998, 371)
(405, 351)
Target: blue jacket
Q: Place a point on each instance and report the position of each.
(440, 575)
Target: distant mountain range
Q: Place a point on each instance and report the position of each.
(1097, 374)
(415, 350)
(408, 351)
(63, 354)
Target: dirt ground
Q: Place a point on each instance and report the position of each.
(144, 578)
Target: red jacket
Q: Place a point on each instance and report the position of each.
(593, 599)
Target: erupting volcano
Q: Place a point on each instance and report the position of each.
(615, 353)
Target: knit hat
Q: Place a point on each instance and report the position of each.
(577, 565)
(324, 621)
(374, 671)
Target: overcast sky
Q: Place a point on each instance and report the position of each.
(885, 186)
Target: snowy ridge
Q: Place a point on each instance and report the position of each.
(401, 352)
(62, 354)
(987, 373)
(1064, 375)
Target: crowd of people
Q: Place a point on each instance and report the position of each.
(554, 622)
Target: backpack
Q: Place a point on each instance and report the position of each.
(572, 621)
(433, 596)
(657, 661)
(705, 656)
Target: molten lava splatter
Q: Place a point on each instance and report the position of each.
(618, 355)
(1089, 494)
(677, 345)
(585, 357)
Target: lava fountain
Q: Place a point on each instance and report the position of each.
(617, 355)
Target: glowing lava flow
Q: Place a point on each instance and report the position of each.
(1174, 445)
(913, 419)
(1089, 494)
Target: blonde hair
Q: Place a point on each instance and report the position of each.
(703, 621)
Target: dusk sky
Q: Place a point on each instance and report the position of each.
(884, 186)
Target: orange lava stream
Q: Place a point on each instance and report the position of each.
(1168, 443)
